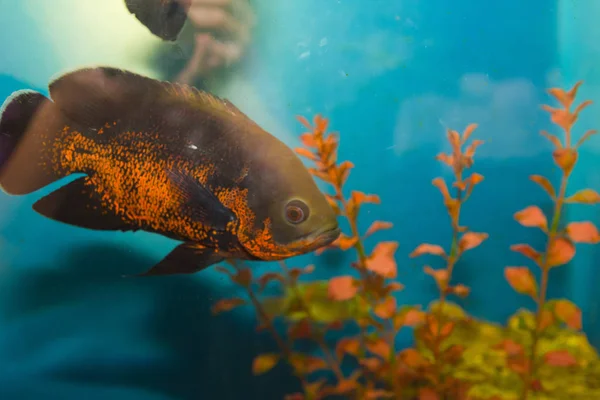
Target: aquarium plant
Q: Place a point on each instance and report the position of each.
(352, 320)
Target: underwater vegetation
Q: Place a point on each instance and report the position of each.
(537, 354)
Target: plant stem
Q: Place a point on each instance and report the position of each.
(283, 347)
(264, 317)
(541, 300)
(320, 336)
(452, 259)
(394, 381)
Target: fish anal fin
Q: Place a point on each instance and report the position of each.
(76, 204)
(199, 202)
(185, 259)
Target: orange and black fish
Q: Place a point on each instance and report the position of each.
(164, 18)
(163, 158)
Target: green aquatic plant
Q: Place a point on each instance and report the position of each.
(536, 355)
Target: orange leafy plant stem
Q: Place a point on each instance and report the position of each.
(560, 244)
(374, 346)
(437, 328)
(373, 285)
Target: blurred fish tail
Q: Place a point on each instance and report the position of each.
(26, 119)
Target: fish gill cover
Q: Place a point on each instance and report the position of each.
(537, 354)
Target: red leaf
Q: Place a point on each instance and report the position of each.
(304, 122)
(306, 153)
(521, 279)
(427, 248)
(243, 277)
(568, 313)
(565, 158)
(441, 185)
(553, 139)
(585, 137)
(224, 271)
(546, 320)
(412, 358)
(378, 226)
(379, 347)
(225, 305)
(264, 363)
(560, 358)
(394, 287)
(470, 151)
(560, 252)
(454, 139)
(371, 363)
(561, 117)
(387, 308)
(411, 317)
(378, 394)
(382, 260)
(585, 196)
(344, 386)
(447, 159)
(360, 198)
(440, 276)
(583, 232)
(313, 364)
(295, 273)
(342, 288)
(345, 242)
(511, 347)
(264, 280)
(308, 140)
(470, 240)
(428, 394)
(565, 98)
(527, 251)
(472, 181)
(347, 346)
(532, 216)
(300, 330)
(468, 131)
(544, 184)
(461, 290)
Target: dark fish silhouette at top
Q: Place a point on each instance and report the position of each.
(164, 18)
(163, 158)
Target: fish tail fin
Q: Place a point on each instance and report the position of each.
(27, 119)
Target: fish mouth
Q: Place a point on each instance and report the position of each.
(325, 236)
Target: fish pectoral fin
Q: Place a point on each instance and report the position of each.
(76, 204)
(184, 259)
(199, 202)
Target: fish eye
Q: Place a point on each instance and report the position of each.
(296, 212)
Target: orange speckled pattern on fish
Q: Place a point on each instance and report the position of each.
(131, 180)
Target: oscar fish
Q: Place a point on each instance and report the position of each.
(163, 18)
(164, 158)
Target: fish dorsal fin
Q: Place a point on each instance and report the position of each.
(203, 98)
(100, 95)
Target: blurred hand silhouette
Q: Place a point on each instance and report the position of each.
(222, 32)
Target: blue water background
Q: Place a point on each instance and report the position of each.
(391, 76)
